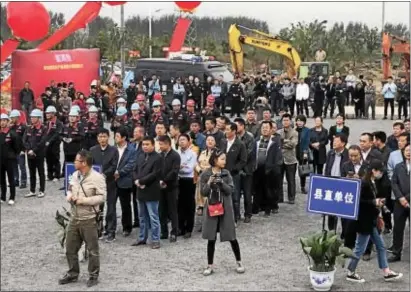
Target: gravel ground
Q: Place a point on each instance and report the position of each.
(32, 259)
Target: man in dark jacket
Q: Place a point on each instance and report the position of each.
(20, 128)
(341, 94)
(403, 97)
(246, 175)
(137, 141)
(392, 141)
(379, 143)
(401, 189)
(336, 158)
(26, 98)
(54, 128)
(237, 97)
(269, 160)
(236, 156)
(123, 177)
(275, 96)
(131, 93)
(107, 156)
(368, 152)
(169, 185)
(147, 174)
(10, 147)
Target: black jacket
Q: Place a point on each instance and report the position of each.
(274, 159)
(403, 91)
(10, 145)
(171, 167)
(236, 156)
(374, 154)
(148, 172)
(349, 167)
(333, 131)
(401, 182)
(107, 158)
(330, 90)
(35, 139)
(331, 158)
(131, 93)
(319, 155)
(392, 143)
(219, 137)
(385, 154)
(91, 129)
(53, 134)
(77, 135)
(26, 96)
(249, 142)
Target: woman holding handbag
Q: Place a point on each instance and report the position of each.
(367, 224)
(318, 141)
(217, 186)
(303, 152)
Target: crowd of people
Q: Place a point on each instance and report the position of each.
(173, 164)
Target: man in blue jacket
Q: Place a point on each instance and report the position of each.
(124, 181)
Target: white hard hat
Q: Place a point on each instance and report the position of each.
(121, 100)
(15, 114)
(75, 108)
(36, 113)
(90, 101)
(4, 117)
(51, 110)
(135, 107)
(156, 103)
(121, 111)
(93, 109)
(73, 113)
(176, 102)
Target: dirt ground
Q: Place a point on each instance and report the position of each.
(32, 259)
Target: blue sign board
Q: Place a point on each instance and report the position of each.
(70, 169)
(334, 196)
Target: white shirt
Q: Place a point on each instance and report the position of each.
(302, 92)
(365, 154)
(357, 168)
(229, 144)
(121, 152)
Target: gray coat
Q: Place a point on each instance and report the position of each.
(227, 225)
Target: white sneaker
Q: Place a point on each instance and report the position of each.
(40, 195)
(31, 194)
(55, 180)
(240, 268)
(11, 202)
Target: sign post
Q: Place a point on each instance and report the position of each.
(70, 169)
(334, 196)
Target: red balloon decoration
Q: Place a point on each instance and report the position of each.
(28, 20)
(187, 6)
(113, 3)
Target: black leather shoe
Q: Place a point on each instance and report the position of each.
(92, 282)
(291, 202)
(173, 238)
(67, 279)
(126, 233)
(138, 243)
(187, 235)
(394, 258)
(23, 186)
(247, 220)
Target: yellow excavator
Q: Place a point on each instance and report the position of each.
(295, 68)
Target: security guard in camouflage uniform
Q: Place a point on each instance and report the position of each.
(34, 141)
(20, 129)
(54, 128)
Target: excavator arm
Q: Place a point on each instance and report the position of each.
(389, 47)
(264, 41)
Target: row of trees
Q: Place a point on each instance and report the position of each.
(349, 44)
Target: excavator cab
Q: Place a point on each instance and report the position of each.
(314, 69)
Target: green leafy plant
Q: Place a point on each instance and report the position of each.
(323, 250)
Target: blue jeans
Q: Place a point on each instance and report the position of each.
(148, 216)
(21, 163)
(360, 246)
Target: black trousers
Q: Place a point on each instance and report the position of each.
(7, 167)
(333, 222)
(350, 234)
(168, 209)
(276, 104)
(329, 102)
(318, 168)
(36, 163)
(401, 215)
(289, 171)
(341, 104)
(246, 185)
(266, 195)
(402, 108)
(319, 103)
(290, 104)
(135, 206)
(53, 162)
(111, 214)
(359, 108)
(388, 101)
(125, 201)
(211, 250)
(186, 205)
(301, 106)
(350, 93)
(236, 107)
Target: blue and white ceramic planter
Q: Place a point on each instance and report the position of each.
(322, 281)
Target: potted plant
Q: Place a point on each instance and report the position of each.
(323, 250)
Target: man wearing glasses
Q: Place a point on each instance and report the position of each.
(87, 191)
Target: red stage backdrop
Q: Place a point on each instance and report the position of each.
(80, 66)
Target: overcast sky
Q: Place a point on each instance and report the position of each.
(277, 14)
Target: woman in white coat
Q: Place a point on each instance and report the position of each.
(301, 96)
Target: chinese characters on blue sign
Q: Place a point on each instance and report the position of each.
(334, 196)
(70, 169)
